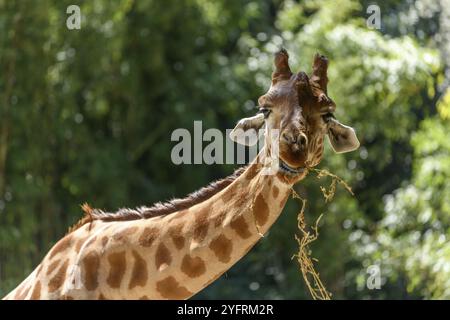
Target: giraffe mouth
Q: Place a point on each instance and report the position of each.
(286, 169)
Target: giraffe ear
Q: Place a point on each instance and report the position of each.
(342, 138)
(246, 131)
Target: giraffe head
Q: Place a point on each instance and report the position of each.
(298, 107)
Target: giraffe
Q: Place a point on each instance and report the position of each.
(175, 249)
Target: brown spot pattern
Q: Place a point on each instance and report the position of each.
(148, 236)
(104, 241)
(61, 246)
(163, 257)
(175, 233)
(201, 224)
(117, 263)
(261, 210)
(240, 227)
(275, 192)
(252, 171)
(124, 234)
(169, 288)
(91, 263)
(101, 297)
(139, 274)
(58, 279)
(144, 298)
(222, 247)
(193, 266)
(52, 267)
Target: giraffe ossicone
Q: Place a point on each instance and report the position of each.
(173, 250)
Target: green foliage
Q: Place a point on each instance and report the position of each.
(86, 115)
(412, 238)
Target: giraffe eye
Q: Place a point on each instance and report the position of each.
(265, 111)
(328, 116)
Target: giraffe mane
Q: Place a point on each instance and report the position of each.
(159, 208)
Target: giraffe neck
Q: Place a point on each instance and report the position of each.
(167, 257)
(186, 251)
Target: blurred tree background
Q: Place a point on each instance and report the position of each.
(86, 115)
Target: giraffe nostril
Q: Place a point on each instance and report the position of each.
(288, 138)
(299, 141)
(302, 140)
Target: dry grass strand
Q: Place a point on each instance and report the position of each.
(304, 257)
(329, 194)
